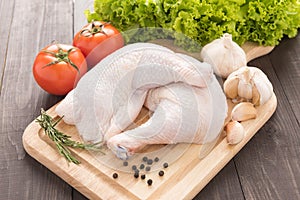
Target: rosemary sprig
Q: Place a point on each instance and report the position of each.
(62, 141)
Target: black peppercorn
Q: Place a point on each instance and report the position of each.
(115, 175)
(149, 161)
(166, 165)
(145, 159)
(125, 163)
(149, 182)
(143, 176)
(142, 166)
(156, 159)
(148, 168)
(133, 167)
(136, 174)
(161, 173)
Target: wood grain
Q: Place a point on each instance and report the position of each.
(287, 54)
(184, 167)
(79, 18)
(31, 25)
(225, 185)
(6, 15)
(252, 50)
(79, 21)
(269, 165)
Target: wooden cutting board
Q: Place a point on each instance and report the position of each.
(191, 166)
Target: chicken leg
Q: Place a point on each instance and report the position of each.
(109, 97)
(182, 114)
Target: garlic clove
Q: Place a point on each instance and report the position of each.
(243, 111)
(238, 100)
(255, 96)
(235, 132)
(253, 85)
(245, 86)
(263, 85)
(231, 87)
(244, 89)
(246, 74)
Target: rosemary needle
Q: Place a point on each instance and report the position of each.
(62, 141)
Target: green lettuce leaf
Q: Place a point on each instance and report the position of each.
(265, 22)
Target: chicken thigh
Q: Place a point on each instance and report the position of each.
(177, 87)
(181, 114)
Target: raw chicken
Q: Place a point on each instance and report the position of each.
(182, 92)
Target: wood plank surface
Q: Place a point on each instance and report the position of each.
(30, 25)
(79, 17)
(286, 63)
(184, 163)
(232, 183)
(6, 15)
(225, 185)
(266, 168)
(269, 166)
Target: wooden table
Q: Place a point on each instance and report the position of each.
(268, 167)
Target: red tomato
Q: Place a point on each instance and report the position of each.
(58, 67)
(97, 40)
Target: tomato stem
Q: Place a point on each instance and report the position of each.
(61, 56)
(51, 63)
(94, 29)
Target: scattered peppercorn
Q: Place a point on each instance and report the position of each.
(166, 165)
(148, 168)
(136, 174)
(149, 182)
(143, 176)
(145, 159)
(133, 167)
(149, 161)
(161, 173)
(142, 166)
(125, 163)
(156, 159)
(115, 175)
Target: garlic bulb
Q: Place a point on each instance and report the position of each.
(224, 55)
(235, 132)
(248, 84)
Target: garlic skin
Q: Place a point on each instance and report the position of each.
(235, 132)
(248, 84)
(224, 55)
